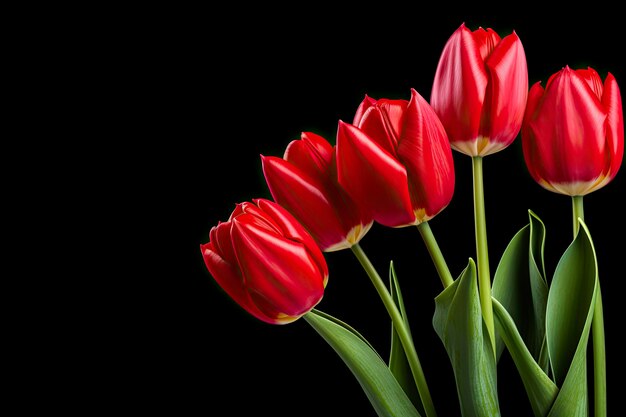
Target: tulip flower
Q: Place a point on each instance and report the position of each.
(396, 160)
(573, 143)
(393, 164)
(266, 262)
(480, 90)
(304, 182)
(573, 132)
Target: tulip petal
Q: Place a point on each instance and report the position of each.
(383, 123)
(281, 277)
(593, 79)
(307, 198)
(219, 236)
(258, 216)
(372, 177)
(425, 152)
(612, 102)
(486, 41)
(293, 230)
(231, 282)
(530, 146)
(360, 111)
(506, 94)
(312, 154)
(534, 98)
(459, 89)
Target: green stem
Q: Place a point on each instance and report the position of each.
(599, 358)
(578, 211)
(482, 253)
(401, 329)
(435, 254)
(597, 329)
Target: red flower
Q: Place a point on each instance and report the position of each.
(396, 160)
(305, 183)
(267, 262)
(480, 90)
(573, 132)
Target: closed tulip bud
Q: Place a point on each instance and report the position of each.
(266, 262)
(304, 182)
(396, 160)
(480, 90)
(573, 132)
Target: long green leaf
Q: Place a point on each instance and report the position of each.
(520, 286)
(459, 324)
(382, 389)
(398, 362)
(539, 387)
(569, 313)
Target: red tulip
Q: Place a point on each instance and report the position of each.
(396, 160)
(573, 132)
(267, 262)
(480, 90)
(305, 183)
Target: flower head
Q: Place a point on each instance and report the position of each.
(396, 160)
(573, 132)
(480, 90)
(304, 182)
(267, 262)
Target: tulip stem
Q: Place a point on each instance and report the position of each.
(599, 358)
(578, 211)
(435, 253)
(597, 328)
(401, 329)
(482, 253)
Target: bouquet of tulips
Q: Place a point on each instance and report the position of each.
(393, 165)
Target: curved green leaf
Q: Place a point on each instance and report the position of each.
(382, 389)
(569, 313)
(520, 286)
(539, 387)
(398, 362)
(459, 324)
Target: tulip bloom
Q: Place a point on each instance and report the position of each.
(396, 160)
(267, 262)
(304, 182)
(480, 90)
(573, 132)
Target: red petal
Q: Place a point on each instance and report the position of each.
(507, 92)
(293, 230)
(486, 41)
(259, 216)
(220, 238)
(360, 111)
(228, 277)
(308, 198)
(383, 123)
(425, 152)
(529, 141)
(612, 102)
(459, 86)
(372, 177)
(280, 276)
(593, 80)
(312, 154)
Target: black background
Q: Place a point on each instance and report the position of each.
(213, 90)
